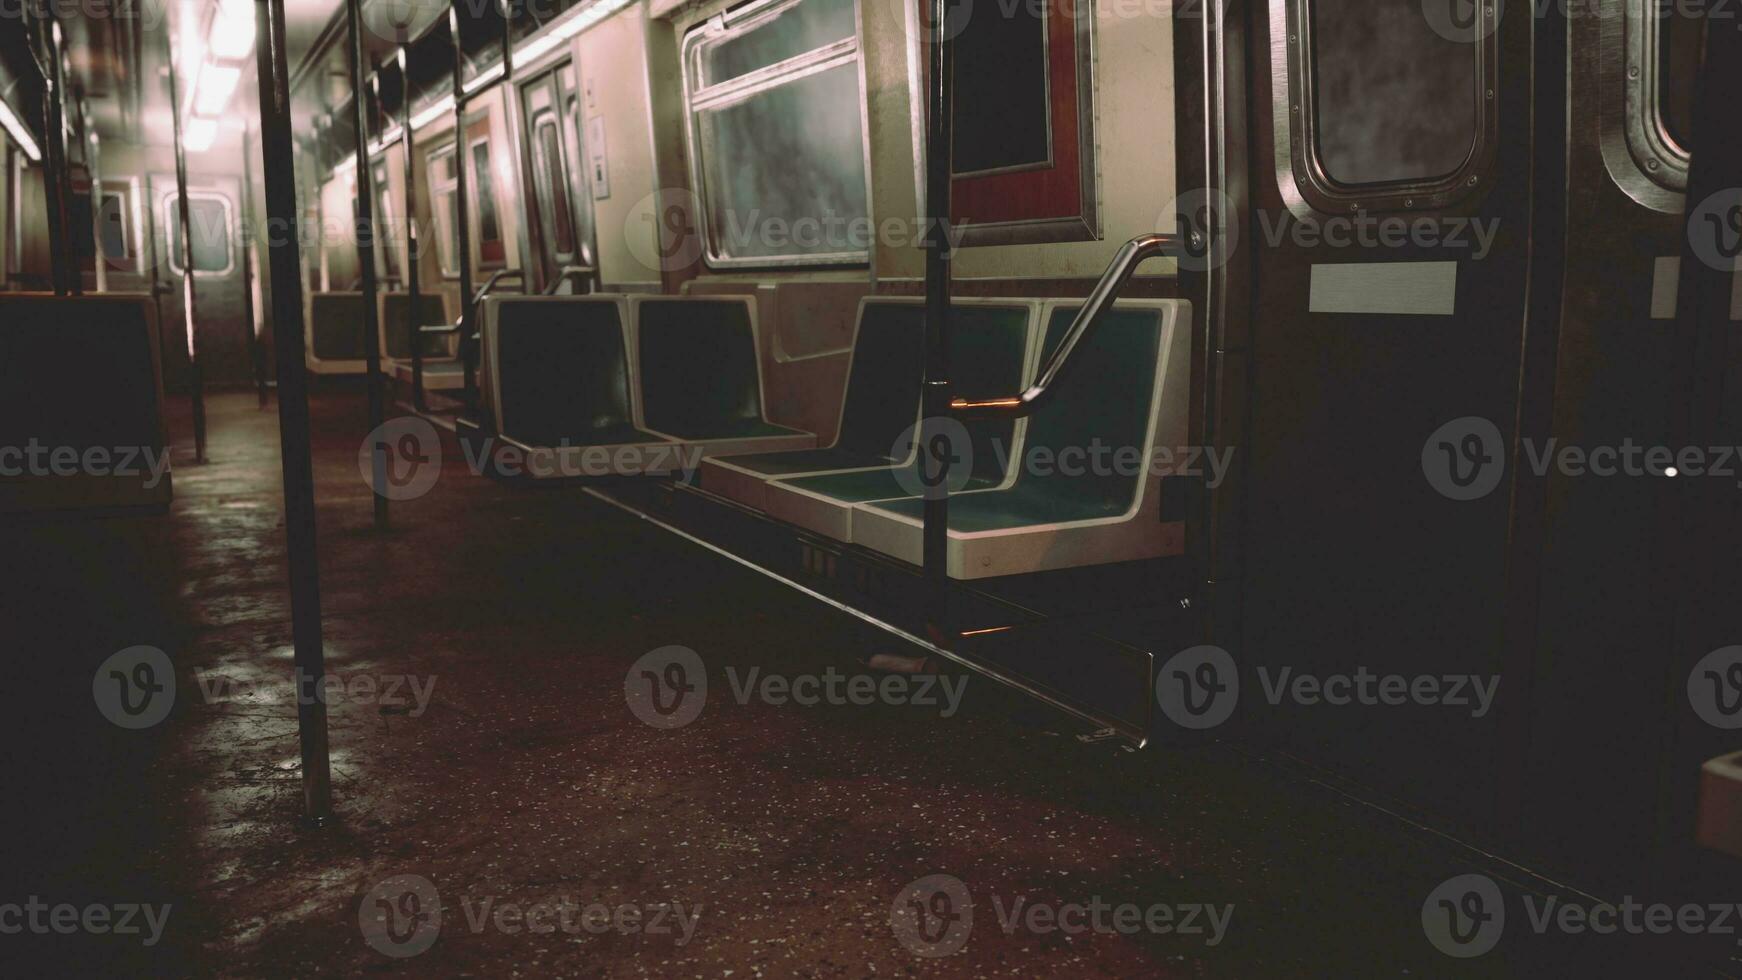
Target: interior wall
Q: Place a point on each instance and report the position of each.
(611, 59)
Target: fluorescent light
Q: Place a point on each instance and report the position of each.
(491, 74)
(232, 34)
(445, 106)
(217, 84)
(561, 31)
(198, 133)
(20, 135)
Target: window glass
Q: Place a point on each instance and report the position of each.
(441, 187)
(1395, 100)
(1002, 116)
(781, 170)
(550, 162)
(1681, 39)
(793, 31)
(761, 168)
(208, 218)
(484, 184)
(386, 222)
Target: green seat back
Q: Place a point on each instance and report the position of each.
(1105, 401)
(698, 366)
(562, 369)
(337, 322)
(883, 385)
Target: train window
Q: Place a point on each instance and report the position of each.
(209, 221)
(1395, 100)
(386, 222)
(442, 187)
(492, 250)
(781, 35)
(778, 134)
(1681, 40)
(547, 147)
(112, 223)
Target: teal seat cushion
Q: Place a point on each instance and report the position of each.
(563, 374)
(988, 355)
(805, 461)
(1106, 403)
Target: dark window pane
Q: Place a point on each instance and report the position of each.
(1681, 40)
(117, 243)
(792, 32)
(1002, 113)
(551, 160)
(208, 219)
(483, 182)
(1395, 99)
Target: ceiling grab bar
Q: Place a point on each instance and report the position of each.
(1131, 255)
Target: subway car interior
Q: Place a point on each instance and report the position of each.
(847, 488)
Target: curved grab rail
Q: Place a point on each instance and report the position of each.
(566, 273)
(1131, 255)
(477, 297)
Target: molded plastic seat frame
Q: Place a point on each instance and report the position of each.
(737, 479)
(1137, 533)
(787, 499)
(441, 372)
(658, 456)
(703, 445)
(312, 359)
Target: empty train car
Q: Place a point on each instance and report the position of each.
(869, 487)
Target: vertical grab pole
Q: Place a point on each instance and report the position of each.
(365, 236)
(278, 156)
(196, 377)
(250, 274)
(935, 458)
(463, 204)
(94, 167)
(413, 256)
(63, 271)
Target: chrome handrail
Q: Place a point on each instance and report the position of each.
(568, 272)
(477, 297)
(1131, 255)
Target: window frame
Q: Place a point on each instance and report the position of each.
(172, 220)
(1307, 186)
(443, 199)
(699, 99)
(1656, 154)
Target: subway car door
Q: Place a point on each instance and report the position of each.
(562, 229)
(225, 336)
(1388, 231)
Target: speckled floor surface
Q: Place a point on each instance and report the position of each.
(506, 770)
